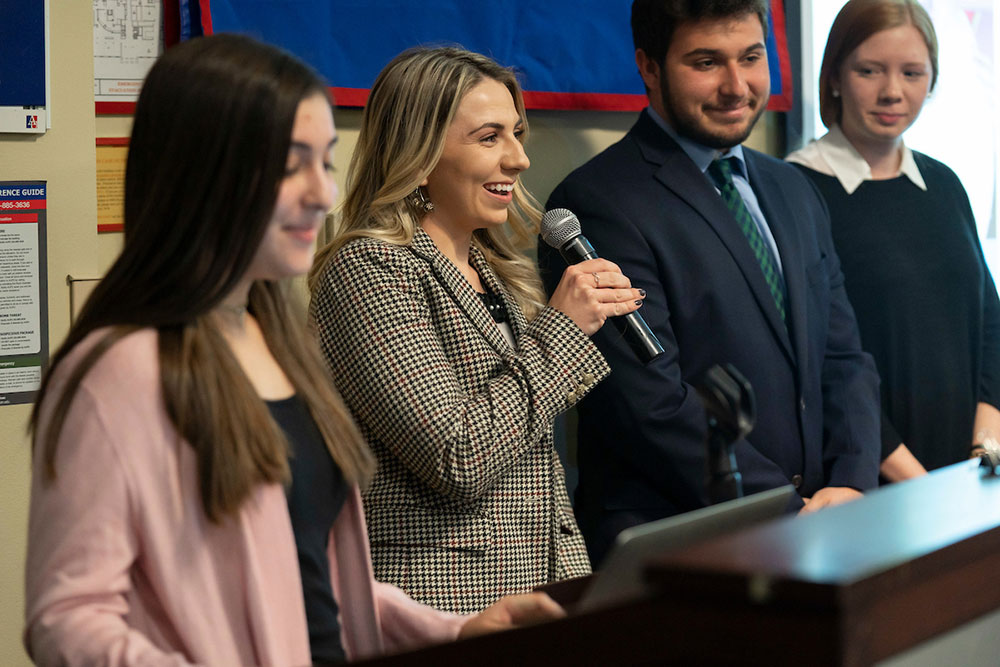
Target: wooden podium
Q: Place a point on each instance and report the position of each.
(851, 585)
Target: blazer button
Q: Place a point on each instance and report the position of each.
(571, 396)
(797, 481)
(588, 379)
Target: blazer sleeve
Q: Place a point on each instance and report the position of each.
(377, 330)
(665, 419)
(849, 384)
(81, 548)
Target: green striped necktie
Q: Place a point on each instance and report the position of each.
(721, 172)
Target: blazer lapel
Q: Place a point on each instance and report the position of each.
(782, 222)
(683, 178)
(461, 292)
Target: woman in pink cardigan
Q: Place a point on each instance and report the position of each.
(195, 488)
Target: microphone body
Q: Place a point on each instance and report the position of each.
(561, 230)
(577, 249)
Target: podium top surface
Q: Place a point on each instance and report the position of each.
(847, 586)
(843, 545)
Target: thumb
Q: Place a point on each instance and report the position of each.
(533, 608)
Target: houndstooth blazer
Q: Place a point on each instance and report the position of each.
(469, 502)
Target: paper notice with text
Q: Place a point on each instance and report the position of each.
(23, 304)
(111, 161)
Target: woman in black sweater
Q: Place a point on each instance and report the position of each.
(903, 227)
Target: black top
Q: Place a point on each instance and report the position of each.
(315, 498)
(495, 305)
(926, 305)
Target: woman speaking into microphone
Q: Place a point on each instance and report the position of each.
(436, 329)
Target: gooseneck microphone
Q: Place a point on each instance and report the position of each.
(561, 230)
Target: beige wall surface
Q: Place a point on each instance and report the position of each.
(560, 142)
(65, 158)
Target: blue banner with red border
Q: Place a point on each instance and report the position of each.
(570, 54)
(22, 54)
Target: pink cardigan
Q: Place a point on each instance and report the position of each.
(123, 568)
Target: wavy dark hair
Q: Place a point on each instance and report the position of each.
(654, 21)
(209, 145)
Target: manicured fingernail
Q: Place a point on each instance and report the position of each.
(638, 303)
(642, 292)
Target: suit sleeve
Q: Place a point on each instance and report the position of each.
(81, 548)
(377, 332)
(849, 380)
(664, 417)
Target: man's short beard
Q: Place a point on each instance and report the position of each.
(691, 130)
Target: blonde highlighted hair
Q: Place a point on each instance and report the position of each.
(412, 103)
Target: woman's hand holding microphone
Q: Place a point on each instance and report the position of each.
(594, 290)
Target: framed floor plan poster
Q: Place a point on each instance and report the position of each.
(24, 330)
(127, 41)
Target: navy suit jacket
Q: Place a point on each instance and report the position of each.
(645, 206)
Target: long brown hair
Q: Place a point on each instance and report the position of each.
(403, 128)
(209, 144)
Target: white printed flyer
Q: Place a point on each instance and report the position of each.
(23, 290)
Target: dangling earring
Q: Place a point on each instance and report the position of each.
(420, 200)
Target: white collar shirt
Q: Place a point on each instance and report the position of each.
(833, 155)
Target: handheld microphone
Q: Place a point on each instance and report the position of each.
(561, 230)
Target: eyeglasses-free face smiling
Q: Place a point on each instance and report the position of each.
(714, 83)
(305, 195)
(883, 84)
(472, 184)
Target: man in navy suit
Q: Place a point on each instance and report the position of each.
(766, 295)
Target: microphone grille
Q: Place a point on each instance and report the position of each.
(558, 226)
